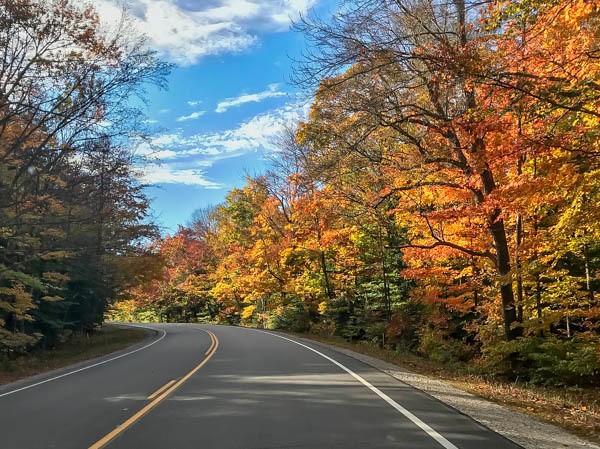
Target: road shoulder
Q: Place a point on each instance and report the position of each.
(523, 429)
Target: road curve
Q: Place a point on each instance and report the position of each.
(203, 386)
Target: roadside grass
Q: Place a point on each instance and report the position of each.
(574, 409)
(109, 339)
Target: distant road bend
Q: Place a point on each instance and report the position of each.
(203, 386)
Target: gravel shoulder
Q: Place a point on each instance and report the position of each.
(523, 429)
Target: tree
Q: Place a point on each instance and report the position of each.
(70, 202)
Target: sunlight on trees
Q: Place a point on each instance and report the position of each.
(441, 198)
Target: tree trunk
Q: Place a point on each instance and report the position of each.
(386, 287)
(538, 283)
(588, 276)
(509, 312)
(498, 233)
(518, 243)
(538, 303)
(328, 290)
(518, 274)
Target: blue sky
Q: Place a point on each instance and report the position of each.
(229, 95)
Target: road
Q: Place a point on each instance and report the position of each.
(203, 386)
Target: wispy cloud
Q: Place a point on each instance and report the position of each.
(192, 116)
(193, 103)
(186, 157)
(203, 149)
(171, 174)
(271, 92)
(186, 30)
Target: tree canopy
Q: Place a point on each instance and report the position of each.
(441, 196)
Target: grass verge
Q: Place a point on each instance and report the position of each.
(576, 410)
(109, 339)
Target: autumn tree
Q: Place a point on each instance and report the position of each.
(441, 196)
(411, 100)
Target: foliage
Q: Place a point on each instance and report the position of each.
(293, 317)
(442, 350)
(71, 207)
(549, 361)
(441, 196)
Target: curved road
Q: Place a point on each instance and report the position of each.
(202, 386)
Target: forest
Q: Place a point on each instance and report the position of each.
(73, 215)
(440, 199)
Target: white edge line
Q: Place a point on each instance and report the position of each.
(89, 366)
(422, 425)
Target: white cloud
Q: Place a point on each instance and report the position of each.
(171, 174)
(258, 132)
(271, 92)
(186, 30)
(263, 128)
(150, 153)
(186, 156)
(210, 151)
(193, 103)
(192, 116)
(167, 140)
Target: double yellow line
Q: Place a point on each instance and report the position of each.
(214, 343)
(158, 396)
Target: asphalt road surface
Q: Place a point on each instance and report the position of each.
(203, 387)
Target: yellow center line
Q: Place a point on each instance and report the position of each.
(212, 342)
(161, 389)
(104, 441)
